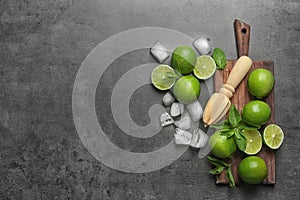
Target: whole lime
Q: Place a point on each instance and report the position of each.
(256, 112)
(184, 59)
(221, 146)
(252, 170)
(187, 89)
(260, 82)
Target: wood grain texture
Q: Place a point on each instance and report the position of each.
(239, 99)
(242, 34)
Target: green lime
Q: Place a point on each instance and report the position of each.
(205, 67)
(253, 170)
(221, 146)
(187, 89)
(256, 112)
(273, 136)
(254, 142)
(184, 59)
(163, 77)
(260, 82)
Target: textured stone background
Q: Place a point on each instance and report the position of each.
(42, 45)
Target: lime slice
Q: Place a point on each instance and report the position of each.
(273, 136)
(254, 142)
(163, 77)
(205, 67)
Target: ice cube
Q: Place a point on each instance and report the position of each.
(176, 109)
(166, 119)
(202, 44)
(199, 138)
(195, 110)
(168, 99)
(184, 123)
(159, 52)
(182, 137)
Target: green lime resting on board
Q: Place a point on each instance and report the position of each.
(260, 82)
(252, 170)
(254, 142)
(184, 59)
(205, 67)
(163, 77)
(219, 57)
(221, 146)
(273, 136)
(256, 112)
(187, 89)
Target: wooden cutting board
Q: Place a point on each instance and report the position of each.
(241, 97)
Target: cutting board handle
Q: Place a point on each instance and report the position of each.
(242, 34)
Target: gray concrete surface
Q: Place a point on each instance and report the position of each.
(42, 45)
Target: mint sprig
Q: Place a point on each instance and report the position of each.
(235, 126)
(220, 165)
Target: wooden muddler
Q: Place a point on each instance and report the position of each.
(219, 103)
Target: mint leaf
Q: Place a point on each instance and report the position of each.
(217, 126)
(217, 170)
(228, 133)
(237, 133)
(216, 162)
(225, 130)
(245, 126)
(240, 142)
(230, 177)
(222, 125)
(242, 133)
(234, 116)
(219, 57)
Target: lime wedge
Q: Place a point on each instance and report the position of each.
(163, 77)
(254, 142)
(273, 136)
(205, 67)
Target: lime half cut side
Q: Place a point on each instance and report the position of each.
(163, 77)
(205, 67)
(273, 136)
(254, 142)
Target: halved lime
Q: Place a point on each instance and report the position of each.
(205, 67)
(163, 77)
(273, 136)
(254, 142)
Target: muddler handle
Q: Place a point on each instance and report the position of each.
(237, 74)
